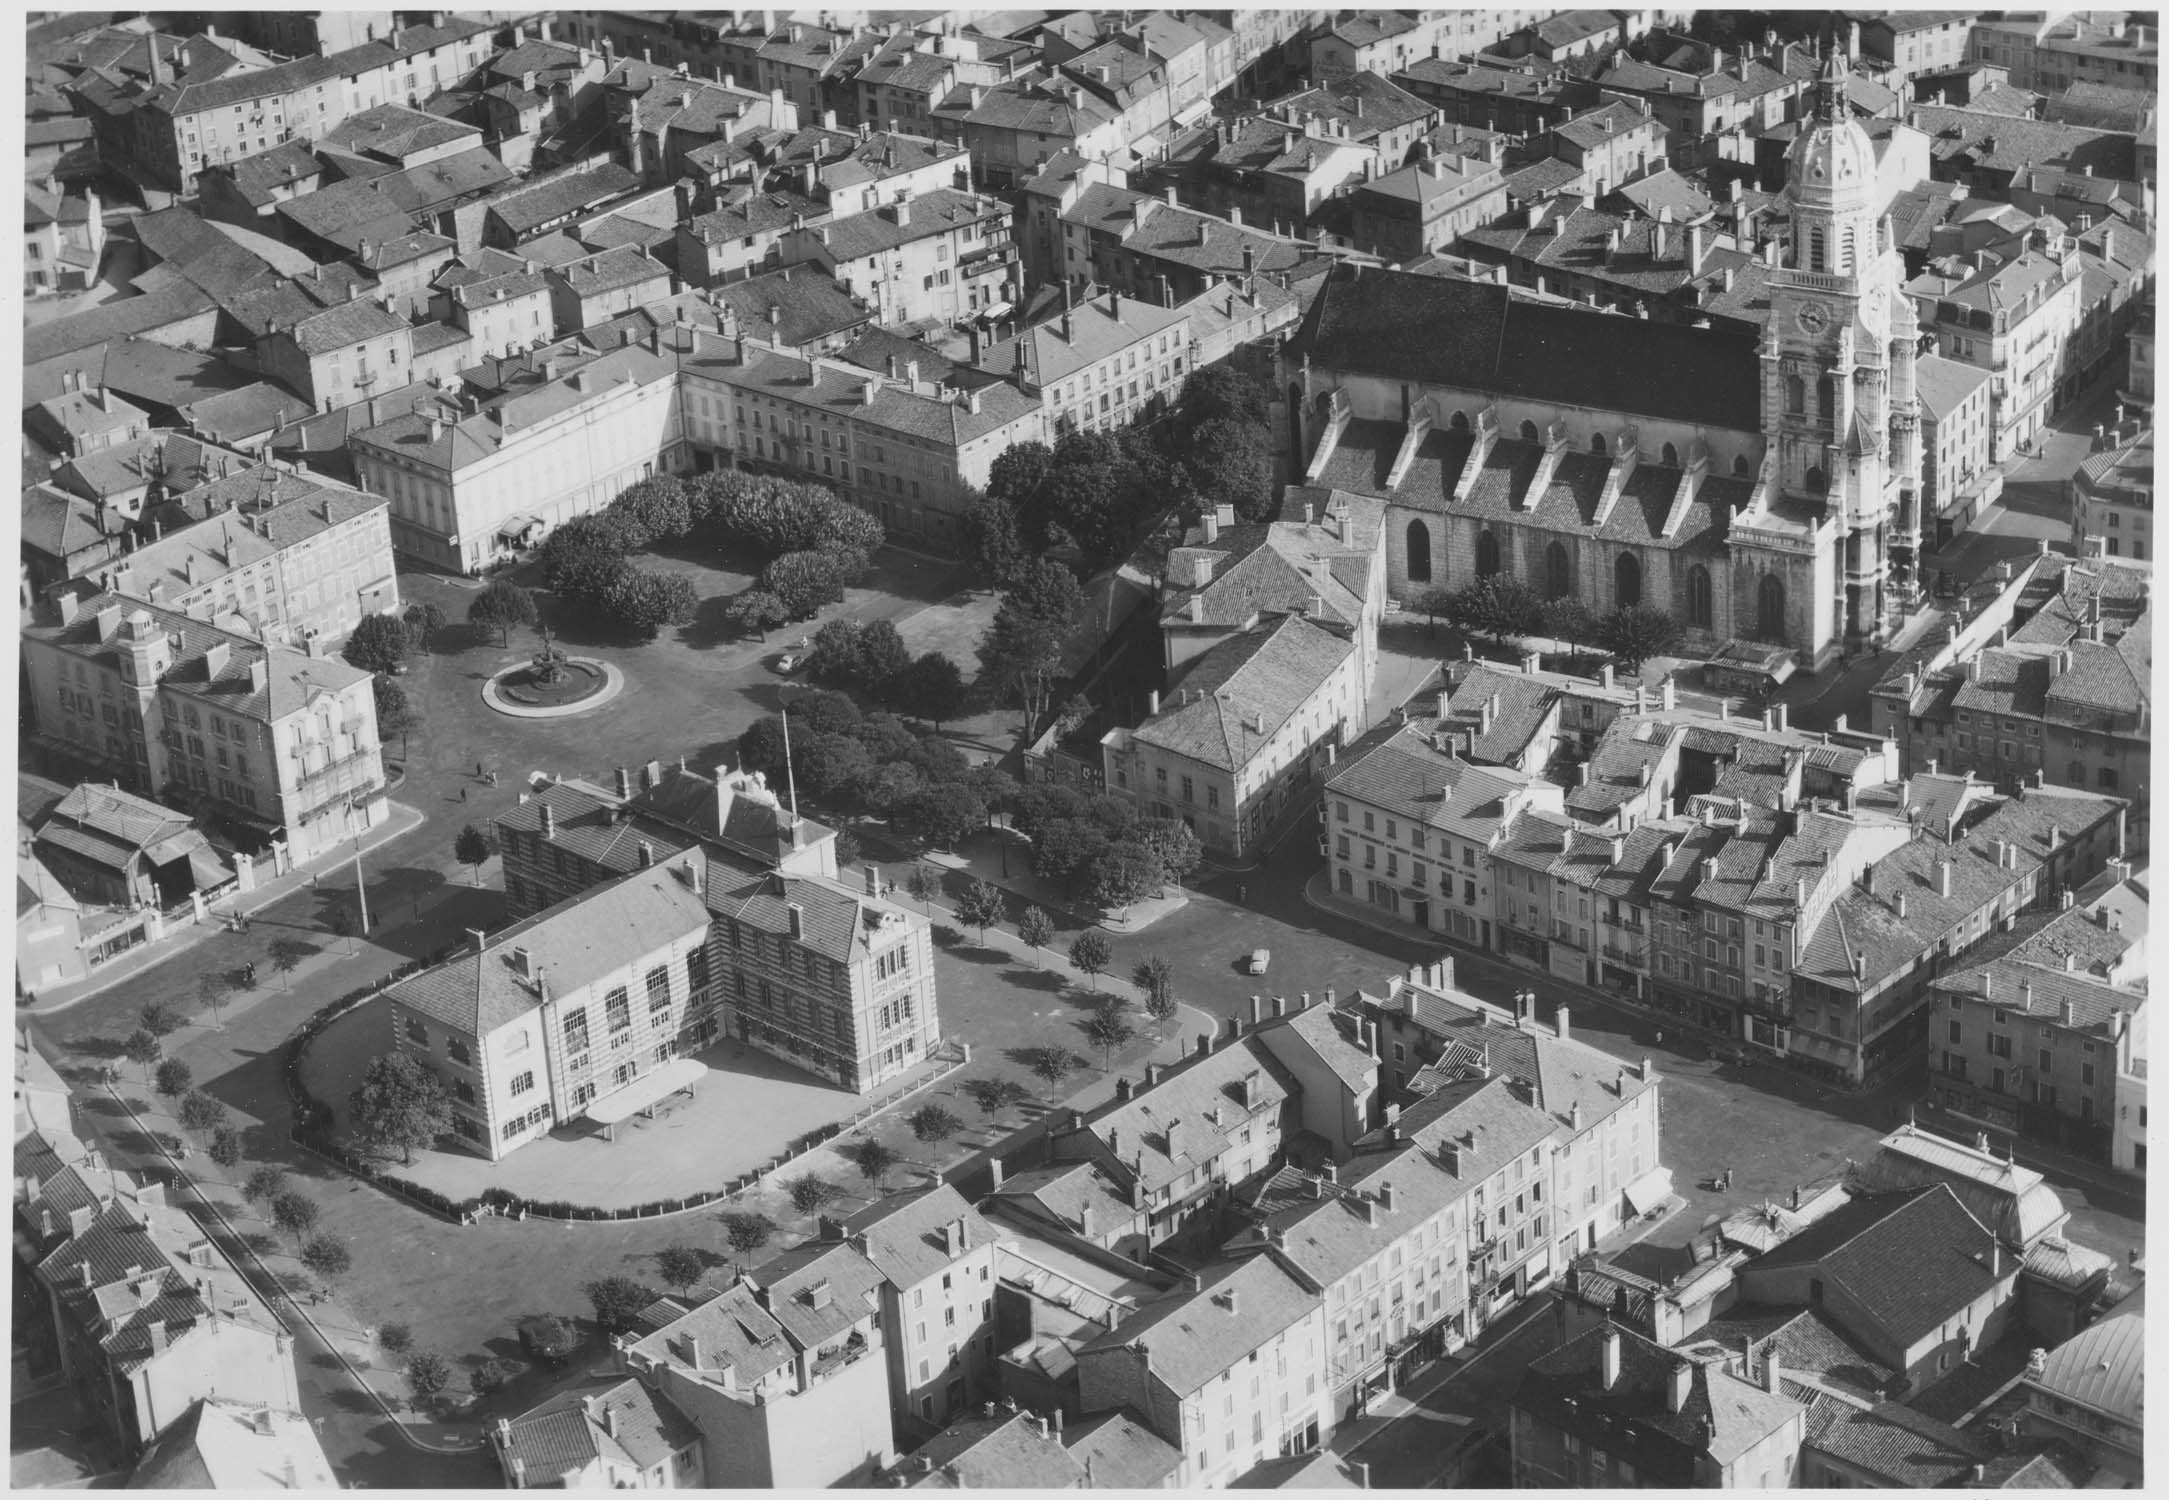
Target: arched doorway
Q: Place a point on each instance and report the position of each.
(1817, 482)
(1419, 552)
(1558, 572)
(1626, 581)
(1698, 597)
(1459, 422)
(1529, 433)
(1487, 554)
(1770, 608)
(1740, 469)
(1596, 443)
(1671, 456)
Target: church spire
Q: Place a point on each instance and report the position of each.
(1830, 87)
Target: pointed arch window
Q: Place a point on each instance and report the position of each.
(1626, 581)
(1826, 398)
(1795, 395)
(1671, 456)
(1740, 466)
(1770, 608)
(1698, 597)
(1558, 572)
(1419, 552)
(1487, 555)
(1597, 444)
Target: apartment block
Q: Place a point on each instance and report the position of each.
(1957, 475)
(284, 746)
(2011, 318)
(1100, 365)
(2112, 495)
(941, 254)
(2049, 51)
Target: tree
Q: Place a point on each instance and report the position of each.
(427, 1374)
(934, 1123)
(549, 1338)
(652, 510)
(200, 1112)
(994, 1095)
(143, 1049)
(619, 1301)
(493, 1375)
(296, 1213)
(423, 623)
(1230, 462)
(1124, 872)
(993, 538)
(399, 1105)
(501, 606)
(1569, 619)
(1174, 848)
(983, 905)
(831, 765)
(396, 713)
(395, 1339)
(1066, 849)
(212, 988)
(1432, 602)
(943, 814)
(1497, 606)
(680, 1266)
(1017, 474)
(884, 663)
(287, 954)
(1020, 656)
(1638, 632)
(1154, 977)
(327, 1257)
(174, 1077)
(808, 581)
(378, 643)
(834, 656)
(1109, 1030)
(875, 1159)
(1220, 392)
(772, 516)
(924, 885)
(1090, 953)
(583, 560)
(475, 846)
(756, 610)
(1049, 1064)
(646, 602)
(746, 1233)
(225, 1147)
(810, 1193)
(1036, 928)
(264, 1184)
(848, 849)
(159, 1018)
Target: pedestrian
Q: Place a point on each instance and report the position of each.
(463, 794)
(1242, 893)
(478, 768)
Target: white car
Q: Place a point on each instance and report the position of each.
(1259, 958)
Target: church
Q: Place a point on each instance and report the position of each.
(1764, 491)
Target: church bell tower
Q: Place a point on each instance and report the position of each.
(1838, 402)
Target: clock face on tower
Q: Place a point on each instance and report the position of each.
(1813, 317)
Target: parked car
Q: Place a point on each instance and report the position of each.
(788, 662)
(1259, 958)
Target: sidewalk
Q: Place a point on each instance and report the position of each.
(402, 821)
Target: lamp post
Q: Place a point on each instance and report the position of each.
(361, 884)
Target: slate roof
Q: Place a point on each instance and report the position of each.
(1470, 334)
(1263, 677)
(574, 942)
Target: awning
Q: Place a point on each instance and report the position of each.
(209, 870)
(518, 529)
(648, 1091)
(1647, 1193)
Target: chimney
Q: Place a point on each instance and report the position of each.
(1610, 1358)
(1559, 1021)
(1679, 1386)
(549, 821)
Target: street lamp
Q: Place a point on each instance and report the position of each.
(361, 883)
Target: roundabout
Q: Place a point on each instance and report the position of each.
(552, 685)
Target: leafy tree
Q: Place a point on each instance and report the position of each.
(1017, 475)
(944, 814)
(884, 664)
(174, 1077)
(225, 1147)
(396, 713)
(983, 905)
(493, 1375)
(680, 1266)
(213, 987)
(658, 509)
(1569, 619)
(924, 885)
(618, 1302)
(501, 606)
(1090, 953)
(327, 1257)
(200, 1112)
(1638, 632)
(808, 581)
(379, 643)
(1049, 1064)
(1433, 602)
(890, 788)
(756, 610)
(1037, 930)
(583, 560)
(934, 1123)
(1109, 1030)
(399, 1105)
(993, 538)
(287, 954)
(159, 1018)
(264, 1184)
(994, 1095)
(1173, 846)
(996, 787)
(1219, 393)
(875, 1160)
(848, 849)
(746, 1233)
(647, 602)
(1124, 872)
(1497, 606)
(143, 1049)
(549, 1338)
(772, 516)
(810, 1193)
(834, 656)
(427, 1374)
(1154, 977)
(1230, 462)
(1021, 654)
(475, 846)
(831, 765)
(1066, 849)
(423, 623)
(296, 1213)
(395, 1339)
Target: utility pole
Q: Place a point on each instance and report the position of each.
(361, 884)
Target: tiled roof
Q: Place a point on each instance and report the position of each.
(1120, 1452)
(748, 211)
(1184, 236)
(258, 178)
(345, 325)
(1366, 103)
(115, 320)
(345, 213)
(1009, 1450)
(1231, 701)
(1193, 1115)
(574, 1428)
(428, 187)
(1189, 1338)
(2008, 143)
(905, 1238)
(1409, 777)
(734, 1332)
(1470, 334)
(930, 213)
(393, 131)
(1894, 1443)
(1738, 1415)
(609, 271)
(1907, 1262)
(526, 208)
